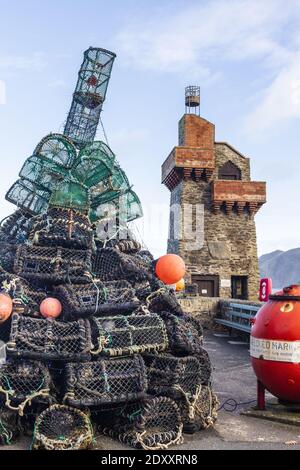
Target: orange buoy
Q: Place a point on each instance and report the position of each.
(170, 269)
(6, 307)
(50, 308)
(180, 285)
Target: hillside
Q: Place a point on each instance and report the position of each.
(282, 266)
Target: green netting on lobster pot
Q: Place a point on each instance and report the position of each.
(43, 172)
(110, 189)
(71, 195)
(57, 148)
(130, 206)
(28, 196)
(94, 165)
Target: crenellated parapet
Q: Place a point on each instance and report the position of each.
(238, 196)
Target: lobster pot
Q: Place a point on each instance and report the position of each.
(62, 428)
(111, 264)
(164, 300)
(9, 427)
(173, 376)
(150, 425)
(97, 298)
(48, 339)
(55, 265)
(202, 413)
(62, 227)
(14, 228)
(7, 256)
(105, 381)
(24, 382)
(134, 334)
(125, 246)
(185, 333)
(26, 298)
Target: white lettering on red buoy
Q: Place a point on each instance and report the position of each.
(274, 350)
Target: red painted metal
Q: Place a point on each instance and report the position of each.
(279, 320)
(265, 289)
(261, 399)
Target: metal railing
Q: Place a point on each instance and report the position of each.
(238, 317)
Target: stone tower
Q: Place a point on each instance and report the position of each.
(213, 204)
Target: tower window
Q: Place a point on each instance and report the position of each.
(229, 171)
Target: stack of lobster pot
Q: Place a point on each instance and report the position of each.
(121, 347)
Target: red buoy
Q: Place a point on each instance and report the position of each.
(275, 344)
(170, 269)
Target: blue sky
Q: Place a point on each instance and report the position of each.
(245, 55)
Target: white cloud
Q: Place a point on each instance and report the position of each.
(199, 41)
(18, 62)
(281, 99)
(201, 34)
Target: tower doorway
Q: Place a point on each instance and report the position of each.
(208, 286)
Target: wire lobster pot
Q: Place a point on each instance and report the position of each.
(95, 164)
(152, 424)
(62, 227)
(23, 383)
(185, 333)
(202, 413)
(7, 256)
(15, 228)
(52, 264)
(105, 381)
(96, 298)
(61, 427)
(134, 334)
(9, 427)
(173, 376)
(48, 339)
(43, 172)
(28, 196)
(58, 149)
(110, 264)
(26, 298)
(163, 300)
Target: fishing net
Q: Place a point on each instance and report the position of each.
(7, 256)
(9, 427)
(173, 376)
(95, 164)
(58, 149)
(93, 79)
(125, 246)
(110, 264)
(22, 383)
(62, 227)
(152, 424)
(163, 299)
(110, 189)
(28, 196)
(71, 195)
(49, 339)
(105, 381)
(26, 298)
(185, 333)
(96, 298)
(62, 428)
(202, 413)
(134, 334)
(43, 172)
(14, 228)
(50, 264)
